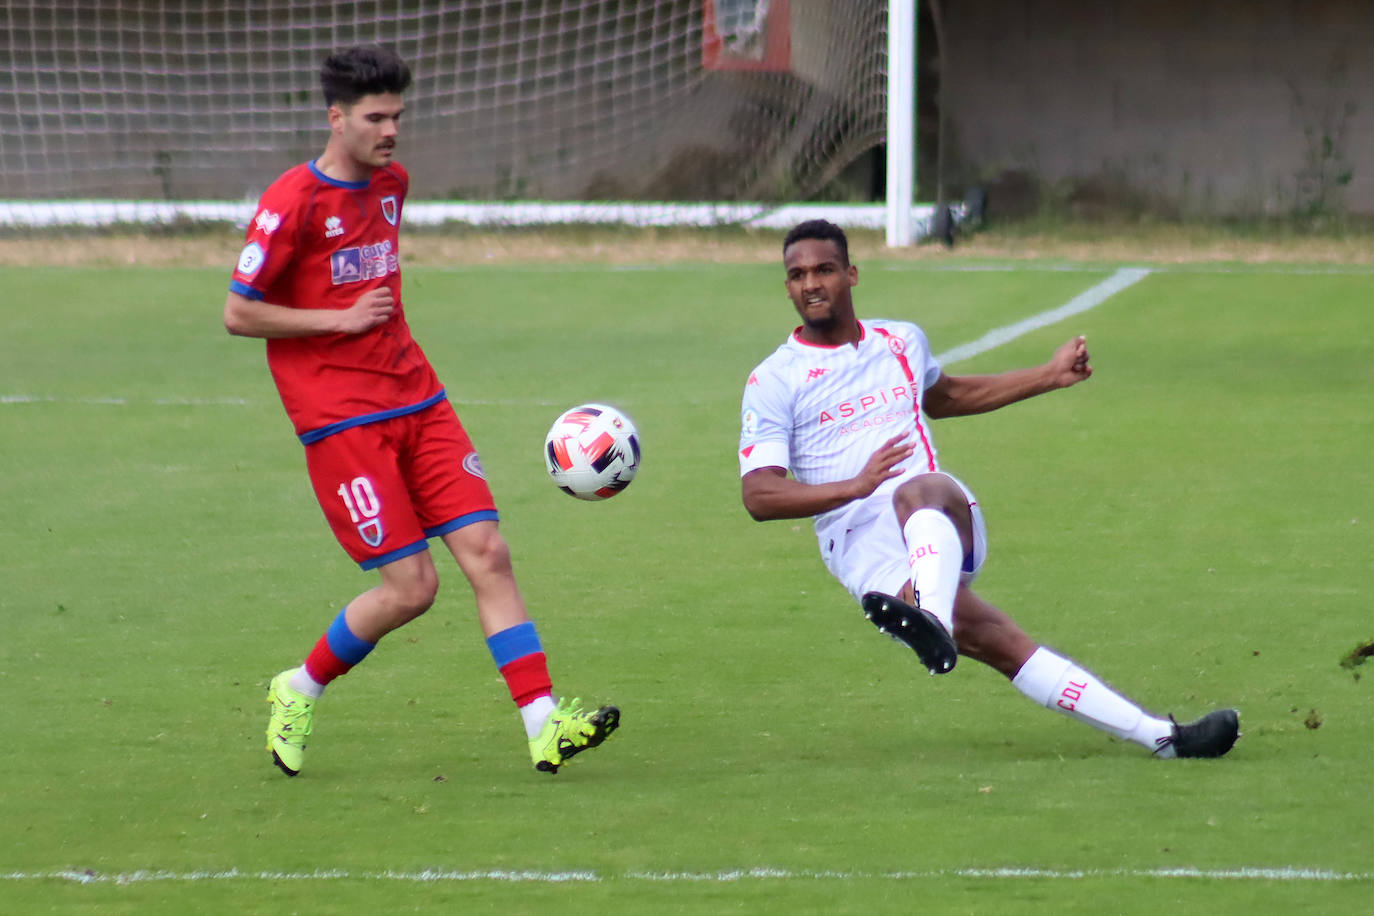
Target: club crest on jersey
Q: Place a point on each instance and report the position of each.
(390, 209)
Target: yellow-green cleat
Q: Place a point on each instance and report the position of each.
(570, 731)
(292, 716)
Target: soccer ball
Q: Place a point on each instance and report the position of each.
(592, 451)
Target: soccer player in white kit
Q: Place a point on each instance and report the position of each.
(843, 405)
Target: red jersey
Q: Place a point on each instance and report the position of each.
(319, 243)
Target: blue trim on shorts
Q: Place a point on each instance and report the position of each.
(346, 645)
(462, 521)
(394, 555)
(315, 435)
(514, 643)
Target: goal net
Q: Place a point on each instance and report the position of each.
(744, 101)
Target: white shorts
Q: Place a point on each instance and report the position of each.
(867, 552)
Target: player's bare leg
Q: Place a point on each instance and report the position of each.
(484, 557)
(408, 589)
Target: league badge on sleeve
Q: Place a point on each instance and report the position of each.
(250, 259)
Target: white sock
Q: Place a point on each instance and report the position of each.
(1060, 684)
(937, 557)
(535, 713)
(301, 682)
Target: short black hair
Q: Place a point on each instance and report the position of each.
(821, 229)
(347, 76)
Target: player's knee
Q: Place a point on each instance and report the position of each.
(927, 491)
(485, 554)
(411, 598)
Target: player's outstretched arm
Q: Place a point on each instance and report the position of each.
(768, 493)
(961, 395)
(246, 317)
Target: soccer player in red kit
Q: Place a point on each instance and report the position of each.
(319, 278)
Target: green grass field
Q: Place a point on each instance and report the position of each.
(1194, 524)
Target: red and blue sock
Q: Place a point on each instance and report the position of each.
(338, 650)
(519, 657)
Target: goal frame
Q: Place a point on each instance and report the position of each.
(902, 219)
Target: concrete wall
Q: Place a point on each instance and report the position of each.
(1195, 106)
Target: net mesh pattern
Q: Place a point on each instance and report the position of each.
(585, 100)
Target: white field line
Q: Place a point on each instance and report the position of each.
(426, 876)
(1089, 298)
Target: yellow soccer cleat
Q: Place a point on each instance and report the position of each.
(570, 731)
(293, 714)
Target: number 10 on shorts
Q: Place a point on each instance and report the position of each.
(364, 508)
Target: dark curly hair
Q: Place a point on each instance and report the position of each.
(349, 75)
(821, 229)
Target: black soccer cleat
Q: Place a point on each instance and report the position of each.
(1211, 736)
(914, 627)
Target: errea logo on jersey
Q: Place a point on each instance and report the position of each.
(333, 227)
(267, 222)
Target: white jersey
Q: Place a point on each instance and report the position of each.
(821, 412)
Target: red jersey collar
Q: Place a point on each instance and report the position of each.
(796, 335)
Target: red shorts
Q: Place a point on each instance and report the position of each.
(386, 487)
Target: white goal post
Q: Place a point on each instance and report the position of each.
(664, 112)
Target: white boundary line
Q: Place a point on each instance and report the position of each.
(427, 876)
(1089, 298)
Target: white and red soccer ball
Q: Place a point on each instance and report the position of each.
(592, 451)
